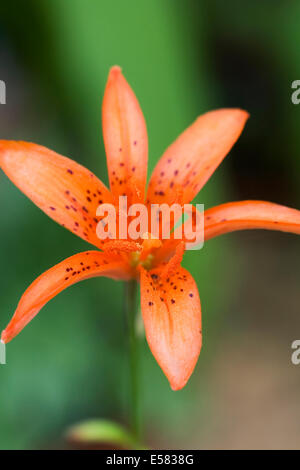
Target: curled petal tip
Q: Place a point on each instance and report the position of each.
(238, 113)
(245, 113)
(3, 337)
(242, 115)
(177, 386)
(115, 70)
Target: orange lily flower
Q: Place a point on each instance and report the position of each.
(70, 194)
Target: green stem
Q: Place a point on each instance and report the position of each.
(130, 306)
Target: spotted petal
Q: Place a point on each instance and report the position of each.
(172, 317)
(230, 217)
(245, 215)
(70, 271)
(63, 189)
(194, 156)
(125, 139)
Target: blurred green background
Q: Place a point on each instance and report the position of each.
(182, 59)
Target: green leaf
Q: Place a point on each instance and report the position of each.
(103, 432)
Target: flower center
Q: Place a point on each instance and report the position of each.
(145, 257)
(137, 259)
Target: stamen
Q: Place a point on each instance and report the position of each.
(135, 259)
(149, 244)
(147, 263)
(136, 262)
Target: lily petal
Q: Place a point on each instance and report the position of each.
(70, 271)
(246, 215)
(172, 317)
(125, 138)
(189, 162)
(63, 189)
(230, 217)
